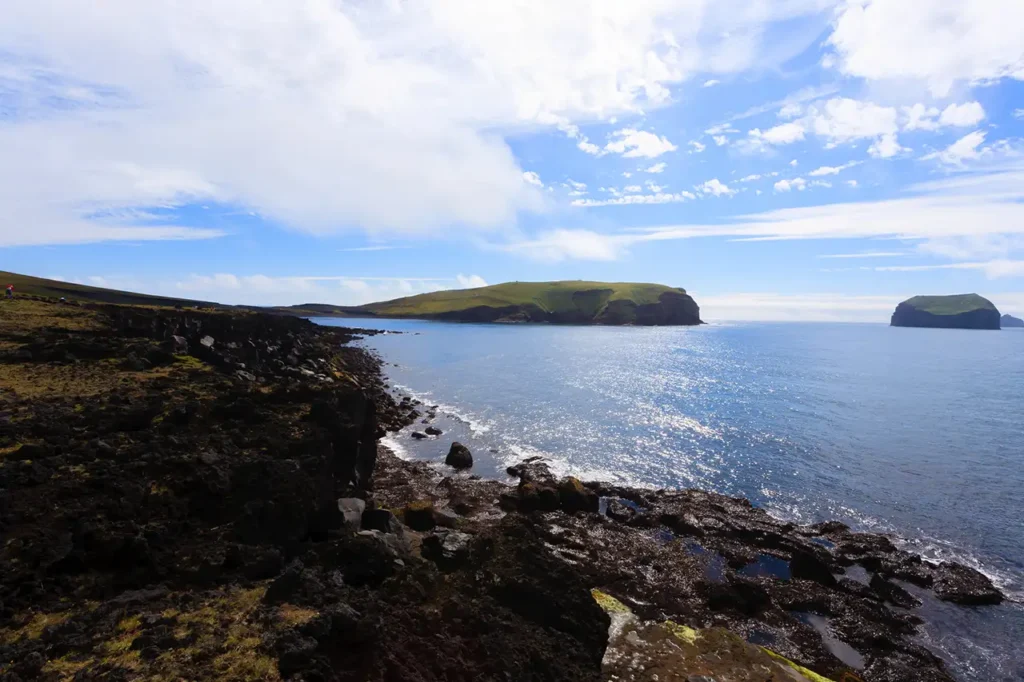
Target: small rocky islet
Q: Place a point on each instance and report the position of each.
(202, 495)
(1008, 321)
(960, 311)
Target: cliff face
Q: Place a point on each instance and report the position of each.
(946, 312)
(1011, 321)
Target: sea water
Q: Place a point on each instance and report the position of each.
(914, 432)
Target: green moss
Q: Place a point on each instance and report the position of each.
(809, 674)
(609, 603)
(681, 632)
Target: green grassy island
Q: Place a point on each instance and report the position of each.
(569, 302)
(962, 311)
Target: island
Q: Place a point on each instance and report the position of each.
(569, 302)
(1011, 321)
(962, 311)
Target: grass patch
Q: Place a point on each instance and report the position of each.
(33, 629)
(294, 616)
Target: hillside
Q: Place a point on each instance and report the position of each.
(24, 285)
(570, 302)
(962, 311)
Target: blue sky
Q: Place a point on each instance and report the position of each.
(805, 159)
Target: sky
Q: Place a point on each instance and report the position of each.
(779, 159)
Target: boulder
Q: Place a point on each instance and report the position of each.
(352, 509)
(418, 435)
(459, 457)
(537, 497)
(573, 496)
(433, 431)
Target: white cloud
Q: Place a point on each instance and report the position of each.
(654, 187)
(962, 115)
(720, 140)
(920, 117)
(559, 245)
(578, 186)
(627, 174)
(982, 205)
(786, 133)
(629, 199)
(697, 147)
(315, 114)
(819, 183)
(532, 178)
(866, 254)
(1018, 113)
(721, 129)
(632, 143)
(470, 281)
(791, 110)
(710, 83)
(655, 168)
(633, 189)
(794, 163)
(381, 247)
(966, 148)
(886, 147)
(851, 183)
(750, 178)
(788, 185)
(842, 119)
(265, 290)
(833, 170)
(993, 269)
(716, 188)
(935, 41)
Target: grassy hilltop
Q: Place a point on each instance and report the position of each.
(962, 311)
(950, 305)
(25, 285)
(576, 302)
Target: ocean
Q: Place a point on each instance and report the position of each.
(918, 433)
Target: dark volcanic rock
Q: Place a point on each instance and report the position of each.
(963, 585)
(459, 457)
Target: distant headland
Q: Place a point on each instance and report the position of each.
(568, 302)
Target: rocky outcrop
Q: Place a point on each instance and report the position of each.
(968, 311)
(459, 457)
(1008, 321)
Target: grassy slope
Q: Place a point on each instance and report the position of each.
(549, 296)
(37, 286)
(950, 305)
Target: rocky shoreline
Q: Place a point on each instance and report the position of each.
(202, 495)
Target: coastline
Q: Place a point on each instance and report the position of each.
(226, 512)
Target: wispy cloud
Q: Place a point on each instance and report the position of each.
(866, 254)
